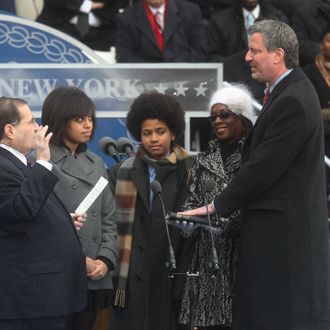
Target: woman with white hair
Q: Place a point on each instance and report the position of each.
(231, 114)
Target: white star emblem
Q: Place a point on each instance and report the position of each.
(160, 88)
(181, 90)
(200, 90)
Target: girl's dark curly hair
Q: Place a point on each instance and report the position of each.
(153, 105)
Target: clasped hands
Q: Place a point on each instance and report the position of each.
(95, 269)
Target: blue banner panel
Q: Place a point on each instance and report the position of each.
(26, 41)
(114, 87)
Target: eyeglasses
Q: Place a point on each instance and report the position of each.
(225, 114)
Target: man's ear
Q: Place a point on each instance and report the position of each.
(279, 55)
(9, 132)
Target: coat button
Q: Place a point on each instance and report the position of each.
(141, 248)
(74, 186)
(138, 278)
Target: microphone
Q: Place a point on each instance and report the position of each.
(157, 189)
(108, 145)
(125, 146)
(181, 217)
(208, 188)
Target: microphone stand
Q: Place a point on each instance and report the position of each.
(193, 276)
(215, 260)
(155, 186)
(172, 261)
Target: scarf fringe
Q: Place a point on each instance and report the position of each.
(120, 298)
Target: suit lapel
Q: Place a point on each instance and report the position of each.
(14, 160)
(80, 169)
(171, 20)
(144, 25)
(296, 74)
(140, 178)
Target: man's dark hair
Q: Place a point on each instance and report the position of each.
(9, 113)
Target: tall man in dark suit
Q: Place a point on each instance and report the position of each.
(161, 31)
(227, 30)
(42, 278)
(283, 277)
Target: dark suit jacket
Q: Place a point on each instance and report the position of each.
(226, 33)
(283, 276)
(184, 37)
(42, 265)
(58, 13)
(308, 22)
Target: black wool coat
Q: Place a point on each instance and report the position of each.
(150, 298)
(283, 279)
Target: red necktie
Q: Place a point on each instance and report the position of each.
(266, 96)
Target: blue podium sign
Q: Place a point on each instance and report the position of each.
(114, 87)
(26, 41)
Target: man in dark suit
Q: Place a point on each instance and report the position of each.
(42, 280)
(91, 22)
(283, 279)
(309, 21)
(176, 35)
(208, 7)
(227, 30)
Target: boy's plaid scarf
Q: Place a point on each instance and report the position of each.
(125, 197)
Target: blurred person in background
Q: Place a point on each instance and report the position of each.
(319, 74)
(161, 31)
(8, 5)
(308, 21)
(91, 22)
(227, 30)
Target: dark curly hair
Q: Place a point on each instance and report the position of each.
(153, 105)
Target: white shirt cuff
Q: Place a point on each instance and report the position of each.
(46, 164)
(86, 6)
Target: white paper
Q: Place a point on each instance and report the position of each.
(92, 195)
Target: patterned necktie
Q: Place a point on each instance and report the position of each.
(82, 24)
(249, 20)
(159, 21)
(266, 96)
